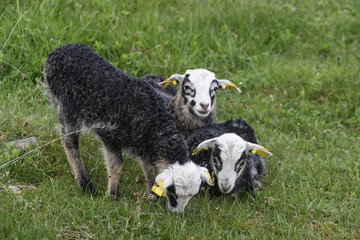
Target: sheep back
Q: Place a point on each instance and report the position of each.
(89, 92)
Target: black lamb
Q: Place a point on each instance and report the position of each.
(125, 113)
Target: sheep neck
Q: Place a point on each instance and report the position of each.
(187, 122)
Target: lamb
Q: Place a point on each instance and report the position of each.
(124, 112)
(235, 157)
(193, 105)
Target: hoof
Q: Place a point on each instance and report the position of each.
(114, 195)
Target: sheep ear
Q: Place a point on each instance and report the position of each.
(257, 149)
(226, 84)
(205, 145)
(174, 79)
(162, 182)
(205, 176)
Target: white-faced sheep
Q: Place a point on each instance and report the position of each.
(125, 113)
(234, 156)
(193, 105)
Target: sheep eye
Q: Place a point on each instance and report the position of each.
(239, 165)
(187, 88)
(217, 163)
(190, 195)
(173, 195)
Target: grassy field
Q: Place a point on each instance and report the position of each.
(299, 64)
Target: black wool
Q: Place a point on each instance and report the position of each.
(125, 112)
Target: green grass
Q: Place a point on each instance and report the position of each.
(299, 64)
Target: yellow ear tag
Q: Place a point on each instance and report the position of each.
(230, 86)
(198, 151)
(210, 179)
(259, 152)
(158, 188)
(167, 83)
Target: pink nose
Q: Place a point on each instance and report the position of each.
(204, 106)
(225, 189)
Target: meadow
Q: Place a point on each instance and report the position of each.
(298, 62)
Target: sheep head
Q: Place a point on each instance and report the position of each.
(228, 158)
(198, 88)
(179, 183)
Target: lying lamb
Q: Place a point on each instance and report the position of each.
(237, 161)
(194, 103)
(125, 113)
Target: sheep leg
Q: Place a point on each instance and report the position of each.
(149, 173)
(72, 150)
(114, 165)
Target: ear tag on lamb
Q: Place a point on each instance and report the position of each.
(259, 152)
(211, 180)
(167, 82)
(198, 151)
(230, 86)
(158, 188)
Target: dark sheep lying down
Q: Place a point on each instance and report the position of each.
(231, 156)
(124, 112)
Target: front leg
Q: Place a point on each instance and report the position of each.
(149, 173)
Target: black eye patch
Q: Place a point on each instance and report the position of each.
(241, 162)
(239, 165)
(216, 158)
(171, 195)
(212, 90)
(217, 163)
(192, 103)
(188, 89)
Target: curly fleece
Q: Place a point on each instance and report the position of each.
(90, 93)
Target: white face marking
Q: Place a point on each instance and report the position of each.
(231, 148)
(199, 91)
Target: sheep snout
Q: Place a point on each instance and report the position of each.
(225, 188)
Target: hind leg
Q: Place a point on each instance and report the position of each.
(114, 164)
(72, 150)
